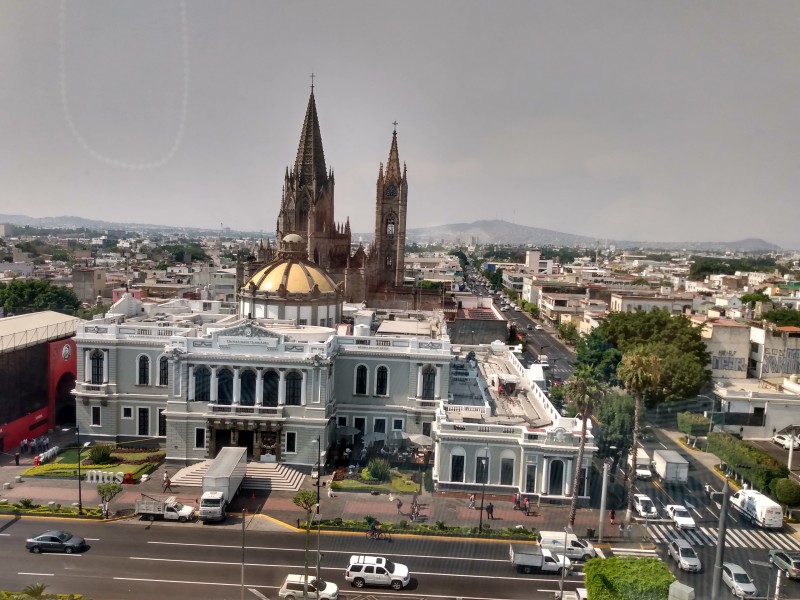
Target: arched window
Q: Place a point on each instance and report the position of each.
(428, 382)
(382, 381)
(202, 384)
(482, 467)
(389, 260)
(270, 392)
(163, 371)
(97, 357)
(361, 379)
(302, 215)
(294, 382)
(390, 226)
(224, 386)
(143, 377)
(247, 388)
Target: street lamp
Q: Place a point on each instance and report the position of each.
(567, 531)
(80, 499)
(318, 441)
(484, 476)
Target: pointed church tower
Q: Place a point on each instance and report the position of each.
(307, 206)
(387, 256)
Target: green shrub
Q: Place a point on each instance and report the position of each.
(379, 469)
(627, 578)
(752, 463)
(27, 503)
(100, 453)
(786, 491)
(693, 424)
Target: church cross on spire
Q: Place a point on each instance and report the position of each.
(395, 125)
(312, 81)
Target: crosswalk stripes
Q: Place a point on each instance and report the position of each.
(633, 552)
(734, 538)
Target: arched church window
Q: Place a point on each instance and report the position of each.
(302, 215)
(390, 223)
(389, 261)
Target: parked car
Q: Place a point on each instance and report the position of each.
(55, 541)
(292, 589)
(682, 553)
(644, 507)
(786, 441)
(787, 561)
(376, 570)
(529, 327)
(739, 582)
(680, 516)
(539, 328)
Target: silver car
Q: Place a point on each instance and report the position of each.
(739, 582)
(683, 554)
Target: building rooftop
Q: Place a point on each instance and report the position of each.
(22, 331)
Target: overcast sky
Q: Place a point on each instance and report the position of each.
(663, 121)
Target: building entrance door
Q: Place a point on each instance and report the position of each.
(246, 441)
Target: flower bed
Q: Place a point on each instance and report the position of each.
(361, 482)
(438, 529)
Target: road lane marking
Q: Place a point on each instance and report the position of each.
(343, 552)
(257, 593)
(38, 574)
(265, 565)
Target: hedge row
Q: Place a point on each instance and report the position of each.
(627, 578)
(749, 462)
(693, 424)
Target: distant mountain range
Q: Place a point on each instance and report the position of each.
(483, 232)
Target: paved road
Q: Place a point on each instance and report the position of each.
(133, 559)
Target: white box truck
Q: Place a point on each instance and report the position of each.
(758, 509)
(575, 548)
(670, 466)
(171, 509)
(642, 467)
(535, 559)
(222, 482)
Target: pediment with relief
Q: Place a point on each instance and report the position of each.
(246, 330)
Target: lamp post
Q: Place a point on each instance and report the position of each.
(319, 498)
(484, 476)
(603, 494)
(80, 498)
(567, 531)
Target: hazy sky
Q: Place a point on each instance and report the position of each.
(639, 120)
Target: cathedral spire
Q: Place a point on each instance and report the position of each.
(309, 166)
(393, 164)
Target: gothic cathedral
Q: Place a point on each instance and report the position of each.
(307, 209)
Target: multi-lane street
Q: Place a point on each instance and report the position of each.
(130, 559)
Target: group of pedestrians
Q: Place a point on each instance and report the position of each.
(612, 515)
(35, 445)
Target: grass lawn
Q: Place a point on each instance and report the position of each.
(400, 483)
(66, 464)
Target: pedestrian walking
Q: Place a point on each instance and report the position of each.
(630, 529)
(16, 458)
(621, 529)
(526, 505)
(612, 515)
(168, 485)
(414, 500)
(472, 500)
(23, 445)
(516, 501)
(399, 506)
(330, 492)
(490, 511)
(707, 489)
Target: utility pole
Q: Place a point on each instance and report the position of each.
(723, 527)
(603, 494)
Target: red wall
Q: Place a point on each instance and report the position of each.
(13, 432)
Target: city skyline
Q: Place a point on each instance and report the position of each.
(625, 121)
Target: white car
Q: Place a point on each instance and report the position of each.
(644, 507)
(786, 441)
(376, 570)
(739, 582)
(293, 585)
(539, 328)
(680, 516)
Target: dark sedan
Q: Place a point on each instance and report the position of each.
(55, 541)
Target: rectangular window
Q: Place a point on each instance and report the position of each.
(199, 438)
(291, 442)
(96, 417)
(426, 429)
(379, 426)
(397, 424)
(302, 321)
(341, 421)
(127, 412)
(162, 423)
(507, 471)
(457, 468)
(144, 421)
(482, 470)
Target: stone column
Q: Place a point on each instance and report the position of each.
(213, 397)
(568, 477)
(259, 386)
(545, 474)
(87, 365)
(282, 387)
(106, 359)
(438, 386)
(303, 388)
(237, 386)
(191, 383)
(419, 381)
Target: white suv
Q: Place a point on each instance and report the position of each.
(292, 589)
(376, 570)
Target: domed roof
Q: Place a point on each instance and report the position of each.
(297, 277)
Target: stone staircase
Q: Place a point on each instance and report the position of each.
(260, 476)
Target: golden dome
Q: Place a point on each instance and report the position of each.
(296, 276)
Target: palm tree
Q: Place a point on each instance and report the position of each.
(585, 390)
(639, 371)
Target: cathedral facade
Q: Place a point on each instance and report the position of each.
(307, 210)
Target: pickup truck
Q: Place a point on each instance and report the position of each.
(535, 559)
(171, 509)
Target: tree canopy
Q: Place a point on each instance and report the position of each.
(35, 295)
(783, 317)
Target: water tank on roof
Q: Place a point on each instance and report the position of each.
(361, 331)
